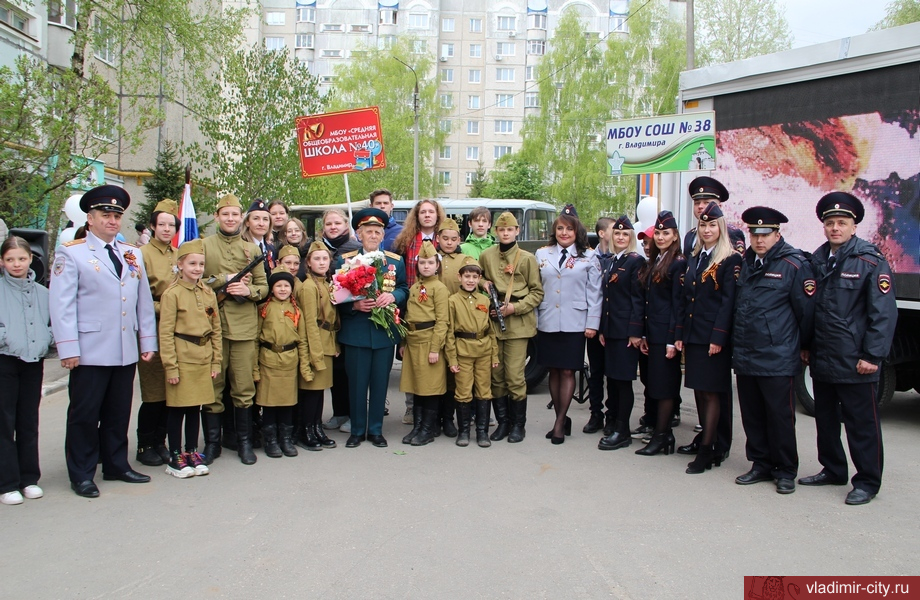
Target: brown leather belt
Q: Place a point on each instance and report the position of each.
(277, 348)
(198, 340)
(420, 326)
(325, 325)
(467, 335)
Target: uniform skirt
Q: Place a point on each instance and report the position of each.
(663, 374)
(277, 387)
(420, 377)
(620, 360)
(195, 386)
(561, 349)
(322, 380)
(706, 373)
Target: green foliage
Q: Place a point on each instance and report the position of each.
(480, 186)
(729, 30)
(900, 12)
(377, 79)
(515, 178)
(168, 181)
(250, 146)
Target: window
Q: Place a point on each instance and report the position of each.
(105, 45)
(473, 102)
(386, 41)
(419, 46)
(327, 79)
(472, 127)
(537, 47)
(530, 73)
(447, 100)
(472, 153)
(537, 21)
(500, 151)
(63, 12)
(470, 177)
(504, 126)
(388, 17)
(274, 43)
(504, 100)
(475, 76)
(331, 54)
(104, 128)
(303, 40)
(418, 21)
(444, 177)
(359, 28)
(332, 27)
(444, 154)
(306, 65)
(447, 25)
(475, 25)
(506, 23)
(358, 53)
(447, 50)
(531, 100)
(475, 50)
(274, 18)
(504, 48)
(447, 75)
(618, 24)
(19, 21)
(504, 74)
(444, 125)
(306, 15)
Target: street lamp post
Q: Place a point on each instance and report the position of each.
(414, 134)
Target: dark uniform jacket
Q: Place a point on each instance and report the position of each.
(774, 313)
(662, 303)
(734, 234)
(855, 312)
(623, 310)
(357, 327)
(708, 301)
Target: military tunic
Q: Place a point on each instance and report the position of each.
(160, 263)
(426, 307)
(190, 310)
(322, 323)
(469, 316)
(450, 269)
(283, 326)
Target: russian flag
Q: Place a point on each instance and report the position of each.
(188, 222)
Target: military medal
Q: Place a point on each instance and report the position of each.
(570, 264)
(132, 262)
(95, 264)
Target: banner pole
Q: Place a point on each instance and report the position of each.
(347, 196)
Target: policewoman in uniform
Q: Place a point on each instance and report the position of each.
(160, 265)
(704, 326)
(367, 348)
(226, 254)
(101, 310)
(774, 313)
(855, 317)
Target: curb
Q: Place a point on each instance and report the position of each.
(52, 387)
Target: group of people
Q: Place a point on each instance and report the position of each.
(239, 335)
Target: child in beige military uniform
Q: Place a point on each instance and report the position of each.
(424, 371)
(289, 260)
(451, 259)
(190, 348)
(472, 352)
(282, 349)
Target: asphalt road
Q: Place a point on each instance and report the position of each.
(528, 520)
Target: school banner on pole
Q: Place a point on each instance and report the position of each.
(340, 142)
(663, 144)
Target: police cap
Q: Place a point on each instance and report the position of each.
(369, 216)
(707, 187)
(109, 198)
(711, 212)
(837, 204)
(665, 220)
(761, 219)
(623, 223)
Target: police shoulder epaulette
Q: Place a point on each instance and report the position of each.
(74, 242)
(129, 244)
(350, 254)
(633, 254)
(392, 255)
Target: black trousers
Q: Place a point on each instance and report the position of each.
(21, 385)
(855, 402)
(339, 391)
(97, 420)
(724, 428)
(768, 416)
(596, 362)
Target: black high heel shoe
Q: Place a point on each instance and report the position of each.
(661, 443)
(703, 461)
(567, 429)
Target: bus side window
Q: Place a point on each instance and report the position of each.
(538, 224)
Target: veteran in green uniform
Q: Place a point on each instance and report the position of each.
(515, 275)
(160, 263)
(226, 254)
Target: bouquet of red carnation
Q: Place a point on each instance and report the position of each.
(367, 276)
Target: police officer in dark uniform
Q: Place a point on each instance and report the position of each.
(855, 317)
(774, 314)
(704, 190)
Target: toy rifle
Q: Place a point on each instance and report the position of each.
(497, 305)
(222, 291)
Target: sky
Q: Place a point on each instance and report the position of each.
(817, 21)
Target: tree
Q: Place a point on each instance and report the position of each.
(480, 186)
(168, 181)
(514, 177)
(248, 109)
(730, 30)
(900, 12)
(375, 78)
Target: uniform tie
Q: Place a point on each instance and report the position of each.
(114, 258)
(831, 263)
(704, 260)
(563, 257)
(758, 263)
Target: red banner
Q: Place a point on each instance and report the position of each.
(340, 142)
(798, 587)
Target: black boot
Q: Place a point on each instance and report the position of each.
(482, 423)
(661, 443)
(308, 440)
(518, 410)
(160, 442)
(447, 416)
(500, 406)
(285, 433)
(244, 436)
(228, 424)
(146, 450)
(270, 438)
(417, 412)
(610, 424)
(255, 414)
(320, 433)
(703, 461)
(463, 413)
(430, 423)
(210, 425)
(595, 423)
(620, 438)
(693, 447)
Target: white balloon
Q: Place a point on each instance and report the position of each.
(647, 210)
(73, 212)
(67, 235)
(637, 227)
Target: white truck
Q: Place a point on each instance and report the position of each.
(794, 125)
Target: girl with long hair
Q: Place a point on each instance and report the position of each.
(421, 224)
